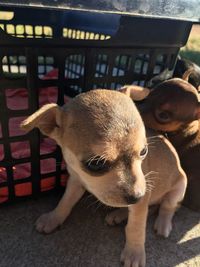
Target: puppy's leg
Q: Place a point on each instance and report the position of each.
(116, 216)
(133, 254)
(170, 202)
(48, 222)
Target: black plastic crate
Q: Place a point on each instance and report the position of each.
(46, 55)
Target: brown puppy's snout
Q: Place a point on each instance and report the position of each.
(133, 195)
(134, 187)
(130, 199)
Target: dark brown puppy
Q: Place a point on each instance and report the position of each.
(173, 108)
(183, 66)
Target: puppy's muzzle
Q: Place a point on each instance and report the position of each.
(131, 199)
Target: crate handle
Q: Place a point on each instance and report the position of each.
(6, 15)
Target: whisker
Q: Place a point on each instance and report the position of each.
(91, 159)
(98, 206)
(102, 157)
(150, 180)
(86, 198)
(150, 183)
(151, 143)
(149, 173)
(152, 137)
(149, 187)
(98, 158)
(93, 203)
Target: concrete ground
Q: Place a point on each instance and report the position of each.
(85, 241)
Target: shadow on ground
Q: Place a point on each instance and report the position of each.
(85, 241)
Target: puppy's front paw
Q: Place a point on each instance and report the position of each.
(48, 222)
(133, 257)
(116, 216)
(163, 226)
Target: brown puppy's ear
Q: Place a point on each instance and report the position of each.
(135, 92)
(47, 119)
(186, 74)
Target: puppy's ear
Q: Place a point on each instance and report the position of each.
(47, 119)
(186, 74)
(135, 92)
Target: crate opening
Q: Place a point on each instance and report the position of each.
(14, 64)
(20, 150)
(14, 126)
(22, 171)
(46, 65)
(17, 99)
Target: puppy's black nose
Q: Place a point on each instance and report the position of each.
(131, 199)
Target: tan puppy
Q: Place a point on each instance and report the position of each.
(104, 144)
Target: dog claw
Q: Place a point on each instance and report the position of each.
(47, 223)
(133, 257)
(116, 217)
(163, 227)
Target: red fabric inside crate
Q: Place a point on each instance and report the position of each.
(17, 99)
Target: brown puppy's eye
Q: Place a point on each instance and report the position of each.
(97, 165)
(163, 116)
(144, 152)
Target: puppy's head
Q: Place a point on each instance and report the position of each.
(103, 141)
(171, 105)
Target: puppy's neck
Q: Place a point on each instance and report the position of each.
(185, 138)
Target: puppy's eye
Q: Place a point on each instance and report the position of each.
(144, 152)
(97, 165)
(163, 116)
